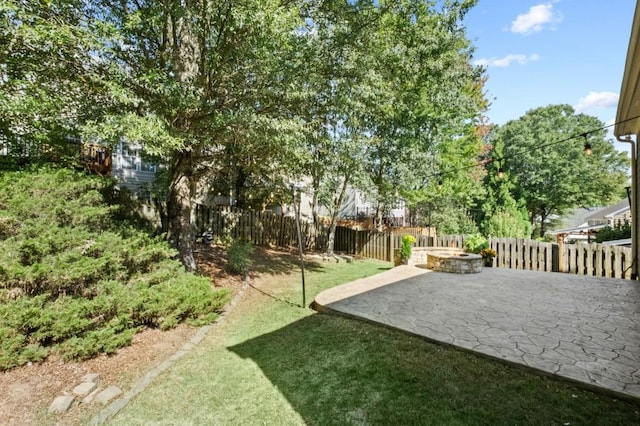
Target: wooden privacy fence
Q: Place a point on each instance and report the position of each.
(267, 228)
(369, 244)
(416, 232)
(596, 260)
(260, 228)
(517, 253)
(381, 245)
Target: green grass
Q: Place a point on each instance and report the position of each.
(273, 362)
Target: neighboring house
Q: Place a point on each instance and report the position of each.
(130, 168)
(362, 208)
(125, 162)
(609, 216)
(359, 207)
(595, 220)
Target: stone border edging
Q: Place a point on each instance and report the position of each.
(148, 378)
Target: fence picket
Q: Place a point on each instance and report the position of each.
(617, 262)
(270, 229)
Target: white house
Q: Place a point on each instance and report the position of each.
(596, 220)
(130, 168)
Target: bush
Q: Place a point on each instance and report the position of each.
(475, 243)
(405, 249)
(77, 278)
(508, 224)
(238, 260)
(450, 220)
(619, 231)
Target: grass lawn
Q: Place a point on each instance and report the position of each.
(273, 362)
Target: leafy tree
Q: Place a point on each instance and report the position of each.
(46, 88)
(452, 219)
(543, 156)
(502, 216)
(223, 92)
(428, 99)
(206, 85)
(507, 223)
(400, 97)
(335, 142)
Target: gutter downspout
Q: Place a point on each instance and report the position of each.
(635, 221)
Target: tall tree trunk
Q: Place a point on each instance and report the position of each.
(181, 193)
(379, 223)
(334, 217)
(185, 50)
(241, 178)
(315, 187)
(543, 225)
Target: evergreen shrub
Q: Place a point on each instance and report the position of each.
(238, 257)
(79, 275)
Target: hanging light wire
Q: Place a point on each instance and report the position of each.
(545, 145)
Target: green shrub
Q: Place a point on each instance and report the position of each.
(405, 248)
(450, 220)
(77, 278)
(619, 231)
(238, 260)
(475, 243)
(507, 224)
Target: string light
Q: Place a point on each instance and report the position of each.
(587, 147)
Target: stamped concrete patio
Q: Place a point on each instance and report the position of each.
(584, 329)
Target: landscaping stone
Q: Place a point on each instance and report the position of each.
(84, 389)
(61, 404)
(108, 394)
(89, 398)
(91, 377)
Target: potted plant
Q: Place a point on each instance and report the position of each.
(487, 256)
(405, 248)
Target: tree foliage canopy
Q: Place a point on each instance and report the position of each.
(246, 95)
(543, 156)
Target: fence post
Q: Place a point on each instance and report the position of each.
(561, 255)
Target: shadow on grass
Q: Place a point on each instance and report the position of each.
(335, 370)
(279, 262)
(263, 261)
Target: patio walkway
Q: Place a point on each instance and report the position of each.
(585, 329)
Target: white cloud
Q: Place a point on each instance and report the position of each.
(597, 100)
(535, 19)
(505, 61)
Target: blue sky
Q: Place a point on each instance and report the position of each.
(539, 53)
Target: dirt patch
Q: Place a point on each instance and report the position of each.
(28, 391)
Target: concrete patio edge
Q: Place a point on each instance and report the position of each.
(327, 302)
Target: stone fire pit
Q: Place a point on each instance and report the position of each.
(452, 260)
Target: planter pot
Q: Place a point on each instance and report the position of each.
(400, 261)
(488, 262)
